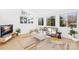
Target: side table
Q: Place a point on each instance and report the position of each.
(58, 35)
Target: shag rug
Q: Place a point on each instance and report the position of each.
(55, 39)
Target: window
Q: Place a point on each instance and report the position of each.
(63, 21)
(41, 21)
(51, 21)
(72, 19)
(69, 19)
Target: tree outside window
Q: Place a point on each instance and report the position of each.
(51, 21)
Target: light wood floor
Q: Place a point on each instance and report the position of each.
(16, 44)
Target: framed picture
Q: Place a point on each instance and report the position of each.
(25, 20)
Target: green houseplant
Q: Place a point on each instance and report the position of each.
(18, 30)
(72, 32)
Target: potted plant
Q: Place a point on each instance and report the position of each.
(18, 30)
(72, 32)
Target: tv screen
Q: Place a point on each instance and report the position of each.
(5, 29)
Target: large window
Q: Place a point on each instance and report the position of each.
(72, 19)
(41, 21)
(51, 21)
(69, 19)
(63, 20)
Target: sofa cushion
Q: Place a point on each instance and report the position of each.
(51, 31)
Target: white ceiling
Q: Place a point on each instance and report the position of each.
(48, 12)
(38, 12)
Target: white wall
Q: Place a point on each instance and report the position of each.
(12, 16)
(65, 30)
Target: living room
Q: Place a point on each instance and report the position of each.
(30, 21)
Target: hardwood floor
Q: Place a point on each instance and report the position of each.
(19, 43)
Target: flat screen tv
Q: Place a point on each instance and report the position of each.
(6, 29)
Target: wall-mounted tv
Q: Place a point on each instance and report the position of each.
(6, 29)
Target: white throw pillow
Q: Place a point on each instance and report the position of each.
(53, 32)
